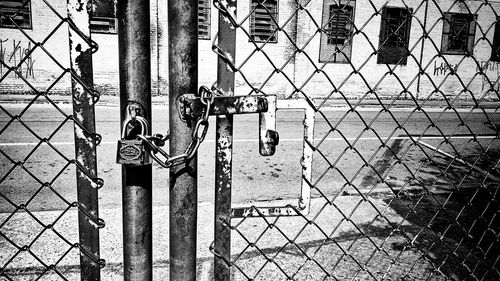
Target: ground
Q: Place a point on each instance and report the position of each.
(384, 206)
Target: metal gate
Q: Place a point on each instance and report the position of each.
(377, 157)
(37, 242)
(404, 182)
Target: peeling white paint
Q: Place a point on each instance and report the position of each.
(80, 133)
(92, 223)
(80, 18)
(93, 184)
(80, 158)
(231, 59)
(79, 116)
(231, 8)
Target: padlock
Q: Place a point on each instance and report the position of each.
(133, 152)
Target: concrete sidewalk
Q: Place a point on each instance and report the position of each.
(296, 246)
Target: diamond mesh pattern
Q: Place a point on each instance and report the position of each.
(405, 173)
(39, 229)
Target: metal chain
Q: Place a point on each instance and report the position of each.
(154, 142)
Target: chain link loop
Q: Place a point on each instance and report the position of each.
(153, 143)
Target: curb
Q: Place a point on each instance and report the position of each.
(332, 103)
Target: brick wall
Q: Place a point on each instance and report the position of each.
(303, 69)
(376, 77)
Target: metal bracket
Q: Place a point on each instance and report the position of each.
(191, 108)
(133, 110)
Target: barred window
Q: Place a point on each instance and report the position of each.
(394, 35)
(19, 11)
(495, 49)
(262, 20)
(338, 25)
(458, 33)
(103, 18)
(203, 19)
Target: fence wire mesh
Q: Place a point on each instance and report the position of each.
(48, 217)
(405, 180)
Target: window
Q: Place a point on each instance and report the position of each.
(495, 49)
(203, 19)
(458, 34)
(336, 35)
(103, 19)
(263, 20)
(19, 11)
(394, 35)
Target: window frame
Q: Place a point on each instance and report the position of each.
(445, 35)
(207, 7)
(273, 32)
(401, 56)
(328, 51)
(5, 22)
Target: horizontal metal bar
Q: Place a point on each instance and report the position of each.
(225, 105)
(239, 105)
(455, 158)
(268, 211)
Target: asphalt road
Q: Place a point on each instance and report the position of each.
(345, 152)
(355, 153)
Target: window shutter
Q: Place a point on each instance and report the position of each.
(447, 23)
(458, 33)
(203, 19)
(103, 18)
(18, 10)
(262, 21)
(103, 24)
(471, 36)
(446, 32)
(394, 35)
(339, 25)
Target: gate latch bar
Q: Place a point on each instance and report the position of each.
(191, 107)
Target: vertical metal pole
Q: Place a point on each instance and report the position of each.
(135, 89)
(224, 151)
(183, 79)
(85, 144)
(423, 43)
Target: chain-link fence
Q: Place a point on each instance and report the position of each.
(399, 152)
(405, 179)
(49, 221)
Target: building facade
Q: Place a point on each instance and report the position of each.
(321, 48)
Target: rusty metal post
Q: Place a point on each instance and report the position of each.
(183, 79)
(135, 89)
(85, 140)
(224, 151)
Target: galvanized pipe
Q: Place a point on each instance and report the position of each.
(224, 151)
(183, 79)
(85, 145)
(135, 88)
